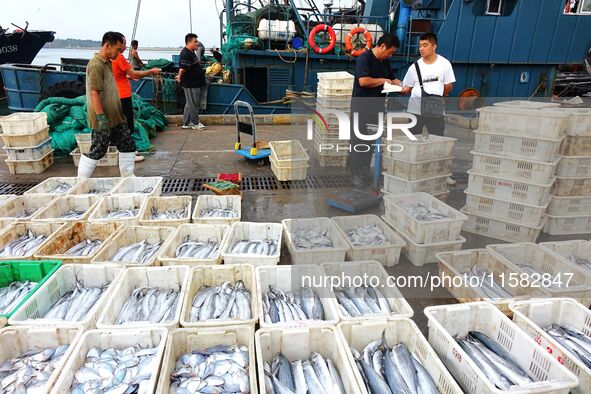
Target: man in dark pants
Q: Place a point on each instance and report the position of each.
(192, 79)
(372, 70)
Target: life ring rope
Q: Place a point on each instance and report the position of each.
(349, 40)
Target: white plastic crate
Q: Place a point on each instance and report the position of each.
(357, 335)
(184, 340)
(288, 153)
(415, 171)
(332, 161)
(130, 235)
(455, 321)
(526, 104)
(342, 103)
(18, 229)
(291, 173)
(434, 147)
(62, 205)
(533, 316)
(116, 202)
(166, 278)
(506, 210)
(524, 122)
(5, 198)
(422, 232)
(570, 206)
(5, 222)
(213, 276)
(95, 186)
(578, 122)
(222, 202)
(111, 158)
(336, 79)
(578, 166)
(22, 123)
(16, 167)
(508, 189)
(572, 186)
(575, 281)
(162, 204)
(29, 153)
(566, 249)
(576, 146)
(324, 147)
(336, 92)
(17, 206)
(61, 282)
(84, 142)
(316, 255)
(514, 168)
(372, 269)
(538, 149)
(396, 185)
(119, 339)
(25, 140)
(49, 184)
(195, 232)
(387, 254)
(252, 231)
(503, 229)
(562, 225)
(149, 186)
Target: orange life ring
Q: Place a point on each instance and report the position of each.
(349, 40)
(317, 29)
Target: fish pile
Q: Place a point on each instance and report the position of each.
(29, 372)
(266, 247)
(496, 363)
(316, 375)
(225, 301)
(392, 370)
(25, 213)
(84, 248)
(218, 369)
(311, 238)
(581, 261)
(76, 303)
(168, 214)
(370, 234)
(97, 190)
(139, 252)
(492, 290)
(361, 301)
(60, 188)
(424, 212)
(126, 370)
(72, 214)
(122, 214)
(149, 304)
(24, 245)
(13, 294)
(577, 343)
(227, 213)
(280, 307)
(190, 249)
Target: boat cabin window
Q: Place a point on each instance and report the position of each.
(577, 7)
(493, 7)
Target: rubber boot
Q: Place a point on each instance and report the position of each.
(126, 163)
(86, 166)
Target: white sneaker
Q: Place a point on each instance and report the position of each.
(188, 126)
(199, 126)
(451, 182)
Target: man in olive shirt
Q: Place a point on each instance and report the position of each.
(105, 114)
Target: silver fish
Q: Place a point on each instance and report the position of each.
(25, 213)
(228, 213)
(122, 214)
(318, 375)
(84, 248)
(280, 307)
(75, 304)
(190, 249)
(24, 245)
(424, 211)
(370, 234)
(98, 190)
(149, 304)
(13, 294)
(225, 301)
(148, 190)
(267, 247)
(577, 343)
(72, 214)
(311, 238)
(60, 188)
(169, 214)
(362, 301)
(139, 252)
(492, 290)
(535, 272)
(585, 263)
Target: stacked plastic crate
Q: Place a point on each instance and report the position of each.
(515, 156)
(570, 208)
(84, 141)
(334, 93)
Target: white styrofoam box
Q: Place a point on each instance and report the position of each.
(30, 166)
(29, 153)
(572, 186)
(358, 334)
(508, 189)
(210, 202)
(291, 173)
(387, 254)
(162, 204)
(21, 123)
(561, 278)
(396, 185)
(506, 210)
(18, 206)
(215, 275)
(448, 322)
(376, 272)
(569, 206)
(130, 235)
(194, 232)
(149, 186)
(336, 79)
(289, 153)
(415, 171)
(578, 248)
(578, 166)
(292, 278)
(61, 282)
(252, 231)
(561, 225)
(63, 204)
(16, 341)
(427, 231)
(166, 278)
(434, 147)
(143, 337)
(519, 121)
(578, 122)
(184, 340)
(456, 264)
(533, 316)
(515, 168)
(526, 104)
(72, 234)
(111, 158)
(538, 149)
(49, 184)
(316, 255)
(25, 140)
(18, 229)
(116, 202)
(96, 186)
(504, 229)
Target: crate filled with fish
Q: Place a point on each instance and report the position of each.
(115, 361)
(32, 358)
(524, 214)
(67, 209)
(516, 168)
(220, 295)
(487, 353)
(73, 296)
(253, 243)
(554, 274)
(393, 356)
(125, 209)
(96, 186)
(21, 240)
(24, 207)
(483, 269)
(57, 186)
(19, 280)
(146, 297)
(433, 147)
(294, 296)
(194, 244)
(562, 326)
(134, 246)
(303, 359)
(396, 185)
(314, 240)
(217, 209)
(369, 238)
(166, 211)
(370, 300)
(209, 360)
(148, 186)
(577, 252)
(416, 171)
(503, 229)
